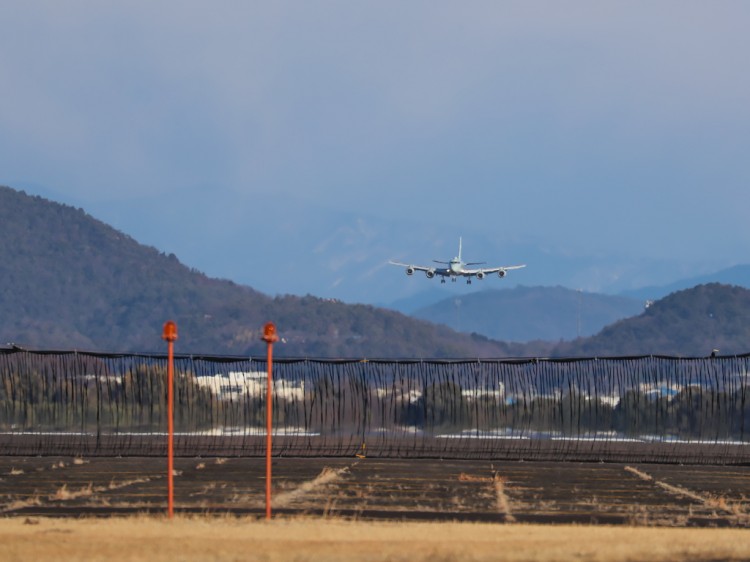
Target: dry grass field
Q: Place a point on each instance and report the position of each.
(157, 539)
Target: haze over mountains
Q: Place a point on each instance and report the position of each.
(246, 141)
(68, 280)
(531, 313)
(737, 275)
(301, 245)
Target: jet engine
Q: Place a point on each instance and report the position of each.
(430, 273)
(480, 275)
(410, 271)
(501, 273)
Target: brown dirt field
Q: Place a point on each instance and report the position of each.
(382, 489)
(225, 538)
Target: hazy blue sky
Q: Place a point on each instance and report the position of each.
(597, 128)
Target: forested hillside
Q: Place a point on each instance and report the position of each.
(692, 322)
(68, 280)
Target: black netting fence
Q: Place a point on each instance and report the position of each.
(660, 409)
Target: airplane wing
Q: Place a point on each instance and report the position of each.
(488, 270)
(414, 267)
(430, 271)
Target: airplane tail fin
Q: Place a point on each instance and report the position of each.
(459, 248)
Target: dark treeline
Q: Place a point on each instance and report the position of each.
(701, 400)
(692, 414)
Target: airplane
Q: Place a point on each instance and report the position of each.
(457, 268)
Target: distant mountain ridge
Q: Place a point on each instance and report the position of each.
(524, 314)
(738, 275)
(69, 281)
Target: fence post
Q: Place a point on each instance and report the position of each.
(269, 336)
(170, 335)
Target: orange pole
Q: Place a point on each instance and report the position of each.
(170, 335)
(170, 429)
(269, 336)
(269, 429)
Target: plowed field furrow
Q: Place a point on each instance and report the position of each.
(500, 491)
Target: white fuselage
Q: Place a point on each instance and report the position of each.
(456, 267)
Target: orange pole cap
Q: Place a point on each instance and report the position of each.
(269, 333)
(170, 331)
